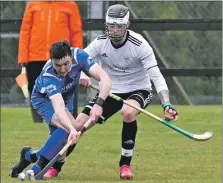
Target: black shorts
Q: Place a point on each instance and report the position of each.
(111, 106)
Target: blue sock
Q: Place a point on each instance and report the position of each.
(40, 164)
(27, 155)
(51, 148)
(32, 155)
(54, 144)
(36, 168)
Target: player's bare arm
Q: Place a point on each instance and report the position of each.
(60, 111)
(85, 80)
(161, 87)
(150, 64)
(105, 85)
(169, 112)
(164, 96)
(105, 82)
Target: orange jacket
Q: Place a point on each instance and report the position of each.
(45, 23)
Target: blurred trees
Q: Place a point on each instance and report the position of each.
(187, 49)
(9, 46)
(12, 9)
(181, 49)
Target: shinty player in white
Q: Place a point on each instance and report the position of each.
(130, 62)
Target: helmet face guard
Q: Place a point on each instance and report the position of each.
(117, 21)
(116, 32)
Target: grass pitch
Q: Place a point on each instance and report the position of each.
(161, 155)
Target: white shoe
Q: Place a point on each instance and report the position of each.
(22, 176)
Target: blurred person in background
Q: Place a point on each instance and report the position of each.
(43, 24)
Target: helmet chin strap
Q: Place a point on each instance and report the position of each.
(119, 42)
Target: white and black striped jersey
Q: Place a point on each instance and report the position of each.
(131, 66)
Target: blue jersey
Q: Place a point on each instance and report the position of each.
(49, 84)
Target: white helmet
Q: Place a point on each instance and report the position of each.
(117, 22)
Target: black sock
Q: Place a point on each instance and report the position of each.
(70, 149)
(58, 165)
(42, 162)
(129, 131)
(33, 157)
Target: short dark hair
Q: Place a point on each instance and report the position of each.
(60, 49)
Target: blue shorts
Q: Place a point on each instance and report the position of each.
(46, 111)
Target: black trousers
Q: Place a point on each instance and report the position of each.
(33, 70)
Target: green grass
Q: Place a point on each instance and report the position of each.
(161, 155)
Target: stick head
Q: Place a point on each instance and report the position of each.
(203, 137)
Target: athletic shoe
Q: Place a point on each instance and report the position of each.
(125, 173)
(51, 173)
(22, 164)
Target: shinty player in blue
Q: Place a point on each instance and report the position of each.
(52, 97)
